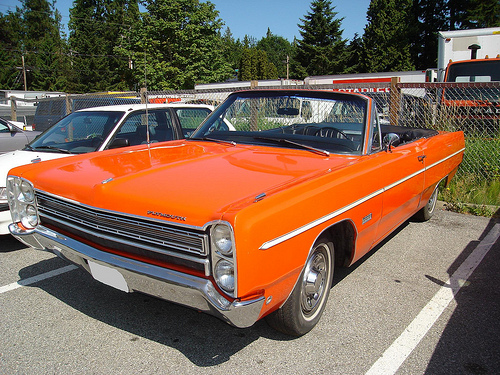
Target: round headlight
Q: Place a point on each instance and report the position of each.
(27, 193)
(222, 239)
(224, 276)
(30, 219)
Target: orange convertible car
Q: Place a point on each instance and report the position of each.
(247, 218)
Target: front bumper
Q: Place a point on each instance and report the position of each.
(170, 285)
(5, 220)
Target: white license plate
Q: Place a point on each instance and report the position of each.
(108, 276)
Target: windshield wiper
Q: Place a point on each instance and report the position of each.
(232, 143)
(62, 150)
(284, 140)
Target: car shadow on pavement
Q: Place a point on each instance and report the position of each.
(470, 343)
(9, 243)
(205, 340)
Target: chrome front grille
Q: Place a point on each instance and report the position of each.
(122, 232)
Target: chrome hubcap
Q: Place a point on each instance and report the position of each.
(313, 282)
(432, 200)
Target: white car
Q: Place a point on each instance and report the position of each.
(101, 128)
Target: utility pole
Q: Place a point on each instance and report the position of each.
(24, 74)
(287, 67)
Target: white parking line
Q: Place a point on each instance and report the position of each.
(400, 349)
(35, 279)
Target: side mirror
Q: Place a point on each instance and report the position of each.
(119, 142)
(12, 128)
(390, 140)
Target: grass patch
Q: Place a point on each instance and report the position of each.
(472, 195)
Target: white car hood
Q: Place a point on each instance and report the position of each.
(14, 159)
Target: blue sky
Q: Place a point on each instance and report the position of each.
(253, 17)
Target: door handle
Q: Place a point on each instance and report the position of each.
(421, 157)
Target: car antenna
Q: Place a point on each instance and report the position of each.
(146, 96)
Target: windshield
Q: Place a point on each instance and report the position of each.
(332, 122)
(473, 71)
(77, 133)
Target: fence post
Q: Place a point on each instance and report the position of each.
(144, 95)
(69, 107)
(394, 101)
(13, 108)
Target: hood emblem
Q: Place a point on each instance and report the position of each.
(166, 216)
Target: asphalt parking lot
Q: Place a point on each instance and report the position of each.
(426, 301)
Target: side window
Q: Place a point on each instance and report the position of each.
(57, 107)
(135, 127)
(190, 118)
(4, 128)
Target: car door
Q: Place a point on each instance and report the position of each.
(402, 171)
(11, 138)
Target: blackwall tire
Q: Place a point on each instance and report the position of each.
(303, 309)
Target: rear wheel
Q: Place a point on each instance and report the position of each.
(427, 211)
(303, 309)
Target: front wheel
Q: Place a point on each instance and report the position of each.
(303, 309)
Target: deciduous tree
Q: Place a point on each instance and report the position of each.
(97, 28)
(178, 45)
(278, 51)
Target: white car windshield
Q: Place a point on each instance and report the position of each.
(77, 133)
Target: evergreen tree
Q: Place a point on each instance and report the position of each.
(353, 55)
(484, 13)
(321, 49)
(11, 77)
(43, 47)
(232, 50)
(427, 18)
(386, 40)
(96, 29)
(458, 11)
(255, 65)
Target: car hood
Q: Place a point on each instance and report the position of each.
(14, 159)
(187, 181)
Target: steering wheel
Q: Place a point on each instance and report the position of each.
(330, 131)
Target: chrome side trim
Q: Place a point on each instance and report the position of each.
(296, 232)
(181, 288)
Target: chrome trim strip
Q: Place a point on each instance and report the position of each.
(177, 224)
(296, 232)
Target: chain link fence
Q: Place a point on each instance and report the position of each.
(473, 108)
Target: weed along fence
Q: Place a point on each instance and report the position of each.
(472, 107)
